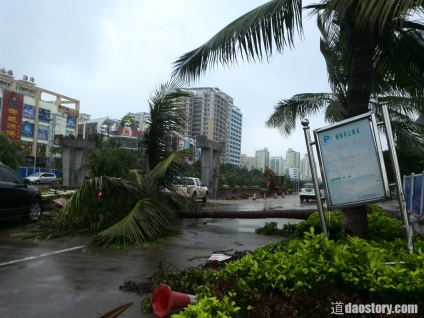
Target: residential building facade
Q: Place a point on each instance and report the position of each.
(234, 127)
(262, 159)
(292, 159)
(277, 165)
(210, 112)
(248, 162)
(305, 169)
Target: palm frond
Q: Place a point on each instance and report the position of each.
(288, 112)
(146, 221)
(375, 16)
(253, 36)
(166, 117)
(400, 63)
(86, 210)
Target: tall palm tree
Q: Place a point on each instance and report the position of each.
(402, 107)
(381, 37)
(10, 152)
(130, 207)
(114, 210)
(165, 119)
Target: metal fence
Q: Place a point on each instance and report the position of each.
(26, 171)
(413, 187)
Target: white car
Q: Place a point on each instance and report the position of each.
(307, 192)
(193, 188)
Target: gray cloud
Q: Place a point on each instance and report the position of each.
(111, 54)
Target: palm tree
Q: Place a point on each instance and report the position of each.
(119, 206)
(380, 37)
(165, 119)
(115, 210)
(10, 152)
(402, 109)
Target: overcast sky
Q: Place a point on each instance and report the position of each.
(111, 55)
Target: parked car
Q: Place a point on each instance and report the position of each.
(17, 199)
(307, 192)
(42, 178)
(193, 188)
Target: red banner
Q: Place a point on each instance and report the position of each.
(12, 115)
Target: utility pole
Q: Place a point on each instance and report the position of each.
(50, 159)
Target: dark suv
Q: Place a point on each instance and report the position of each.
(17, 199)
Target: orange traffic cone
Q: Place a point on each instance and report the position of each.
(165, 300)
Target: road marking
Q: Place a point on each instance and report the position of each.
(41, 255)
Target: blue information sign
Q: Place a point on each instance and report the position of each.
(351, 162)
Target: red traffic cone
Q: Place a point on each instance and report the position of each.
(165, 300)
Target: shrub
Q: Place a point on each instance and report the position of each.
(268, 279)
(333, 220)
(270, 228)
(382, 227)
(210, 307)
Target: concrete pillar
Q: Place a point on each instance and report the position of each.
(66, 158)
(74, 156)
(211, 151)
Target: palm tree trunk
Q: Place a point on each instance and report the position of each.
(355, 222)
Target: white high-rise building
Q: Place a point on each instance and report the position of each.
(305, 169)
(234, 126)
(248, 162)
(292, 159)
(277, 164)
(262, 159)
(294, 173)
(210, 112)
(141, 120)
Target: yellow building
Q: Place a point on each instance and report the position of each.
(32, 115)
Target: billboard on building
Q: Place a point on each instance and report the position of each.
(43, 114)
(127, 127)
(28, 111)
(27, 130)
(71, 121)
(68, 111)
(43, 132)
(12, 115)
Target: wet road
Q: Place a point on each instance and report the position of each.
(68, 278)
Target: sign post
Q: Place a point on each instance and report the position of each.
(401, 196)
(305, 124)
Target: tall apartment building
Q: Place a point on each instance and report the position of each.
(141, 120)
(277, 165)
(262, 159)
(208, 111)
(248, 162)
(292, 159)
(233, 145)
(305, 169)
(32, 115)
(293, 173)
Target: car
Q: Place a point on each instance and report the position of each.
(307, 192)
(17, 198)
(42, 178)
(193, 188)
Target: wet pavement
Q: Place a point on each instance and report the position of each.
(289, 203)
(69, 278)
